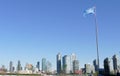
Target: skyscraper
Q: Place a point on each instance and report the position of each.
(44, 67)
(116, 63)
(95, 65)
(11, 68)
(66, 64)
(49, 67)
(108, 65)
(89, 68)
(58, 63)
(75, 66)
(72, 59)
(38, 66)
(19, 67)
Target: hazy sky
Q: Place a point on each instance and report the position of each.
(33, 29)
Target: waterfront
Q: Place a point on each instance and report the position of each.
(45, 75)
(19, 75)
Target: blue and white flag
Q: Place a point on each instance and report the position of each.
(89, 11)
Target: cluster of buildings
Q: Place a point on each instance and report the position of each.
(112, 65)
(46, 66)
(29, 68)
(67, 64)
(19, 69)
(70, 65)
(89, 68)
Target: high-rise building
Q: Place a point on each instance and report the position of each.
(72, 59)
(49, 67)
(95, 65)
(75, 66)
(11, 68)
(89, 68)
(116, 63)
(44, 67)
(108, 65)
(58, 63)
(66, 64)
(38, 66)
(19, 67)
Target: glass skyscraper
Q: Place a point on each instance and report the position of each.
(44, 67)
(19, 67)
(58, 63)
(38, 66)
(49, 67)
(75, 66)
(11, 68)
(108, 65)
(66, 64)
(95, 65)
(116, 63)
(89, 68)
(72, 59)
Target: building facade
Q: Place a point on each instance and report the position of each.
(75, 66)
(19, 67)
(72, 59)
(95, 63)
(89, 68)
(108, 65)
(29, 68)
(116, 63)
(11, 68)
(48, 67)
(38, 66)
(44, 67)
(58, 63)
(66, 64)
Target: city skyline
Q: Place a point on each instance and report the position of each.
(111, 65)
(32, 30)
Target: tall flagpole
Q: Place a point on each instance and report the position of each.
(96, 28)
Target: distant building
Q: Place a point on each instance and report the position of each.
(95, 65)
(29, 68)
(116, 63)
(76, 66)
(58, 63)
(48, 67)
(38, 66)
(19, 67)
(44, 67)
(108, 65)
(3, 69)
(72, 59)
(66, 64)
(11, 68)
(89, 68)
(92, 69)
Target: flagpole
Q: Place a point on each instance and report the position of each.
(96, 30)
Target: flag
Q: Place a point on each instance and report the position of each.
(89, 11)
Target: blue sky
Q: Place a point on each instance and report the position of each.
(33, 29)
